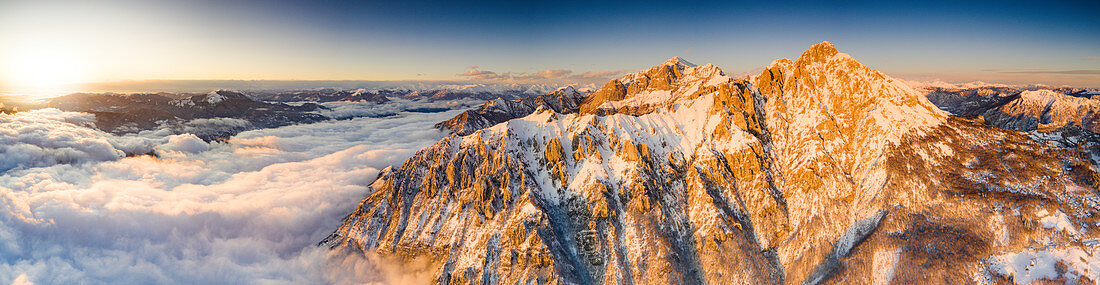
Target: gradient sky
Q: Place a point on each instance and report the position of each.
(52, 42)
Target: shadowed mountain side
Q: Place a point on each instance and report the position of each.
(818, 170)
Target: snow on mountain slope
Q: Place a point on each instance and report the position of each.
(523, 164)
(832, 121)
(1045, 107)
(562, 100)
(818, 170)
(204, 115)
(971, 102)
(653, 88)
(1061, 118)
(214, 97)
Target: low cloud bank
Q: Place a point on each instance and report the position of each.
(342, 110)
(77, 206)
(49, 137)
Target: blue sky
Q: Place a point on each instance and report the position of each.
(1010, 42)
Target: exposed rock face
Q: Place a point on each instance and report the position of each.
(972, 102)
(818, 170)
(1035, 108)
(659, 86)
(564, 100)
(218, 114)
(1024, 110)
(1083, 93)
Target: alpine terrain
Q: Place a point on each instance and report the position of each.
(818, 170)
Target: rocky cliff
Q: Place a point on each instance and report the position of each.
(1024, 110)
(818, 170)
(564, 100)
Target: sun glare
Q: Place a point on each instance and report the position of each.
(42, 69)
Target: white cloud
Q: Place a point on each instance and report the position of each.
(22, 280)
(47, 137)
(74, 209)
(345, 110)
(186, 143)
(561, 76)
(942, 84)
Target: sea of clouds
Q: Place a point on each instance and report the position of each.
(78, 205)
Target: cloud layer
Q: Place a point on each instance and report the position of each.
(49, 137)
(74, 208)
(549, 75)
(1075, 72)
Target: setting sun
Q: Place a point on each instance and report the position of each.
(42, 69)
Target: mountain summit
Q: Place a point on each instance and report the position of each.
(642, 92)
(676, 60)
(819, 52)
(816, 170)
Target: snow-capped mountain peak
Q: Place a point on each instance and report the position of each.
(810, 172)
(214, 97)
(662, 84)
(219, 96)
(824, 84)
(818, 52)
(567, 90)
(676, 60)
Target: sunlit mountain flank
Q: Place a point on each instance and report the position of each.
(295, 142)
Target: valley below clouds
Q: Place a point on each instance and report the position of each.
(78, 205)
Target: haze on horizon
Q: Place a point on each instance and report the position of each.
(61, 44)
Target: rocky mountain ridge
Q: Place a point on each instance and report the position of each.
(564, 100)
(327, 95)
(222, 113)
(818, 170)
(214, 115)
(1024, 110)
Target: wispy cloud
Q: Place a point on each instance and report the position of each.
(1091, 58)
(1009, 77)
(541, 76)
(481, 74)
(1076, 72)
(600, 75)
(545, 74)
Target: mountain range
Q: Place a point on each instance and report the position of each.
(817, 170)
(215, 115)
(220, 114)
